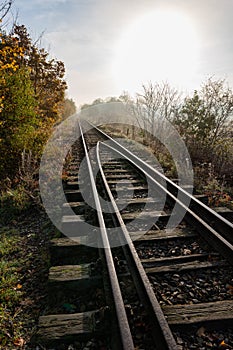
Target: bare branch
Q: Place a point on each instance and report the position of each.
(5, 8)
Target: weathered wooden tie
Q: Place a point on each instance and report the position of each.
(220, 311)
(66, 251)
(64, 328)
(162, 235)
(187, 266)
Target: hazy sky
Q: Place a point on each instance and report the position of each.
(113, 45)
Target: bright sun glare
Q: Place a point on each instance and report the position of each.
(160, 46)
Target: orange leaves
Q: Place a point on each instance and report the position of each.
(19, 286)
(10, 51)
(32, 89)
(224, 345)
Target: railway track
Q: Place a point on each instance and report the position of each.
(128, 282)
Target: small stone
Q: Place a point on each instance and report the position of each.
(90, 343)
(179, 296)
(196, 301)
(179, 341)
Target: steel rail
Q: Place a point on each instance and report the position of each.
(207, 231)
(124, 329)
(215, 220)
(165, 338)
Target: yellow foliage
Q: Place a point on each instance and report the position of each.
(9, 52)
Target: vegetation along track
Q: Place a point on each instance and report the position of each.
(113, 287)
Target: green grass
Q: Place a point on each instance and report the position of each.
(24, 266)
(13, 202)
(10, 287)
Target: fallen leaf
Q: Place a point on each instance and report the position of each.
(224, 345)
(26, 302)
(201, 332)
(187, 252)
(19, 342)
(19, 286)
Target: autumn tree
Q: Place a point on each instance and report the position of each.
(27, 74)
(47, 76)
(69, 108)
(17, 105)
(17, 120)
(10, 53)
